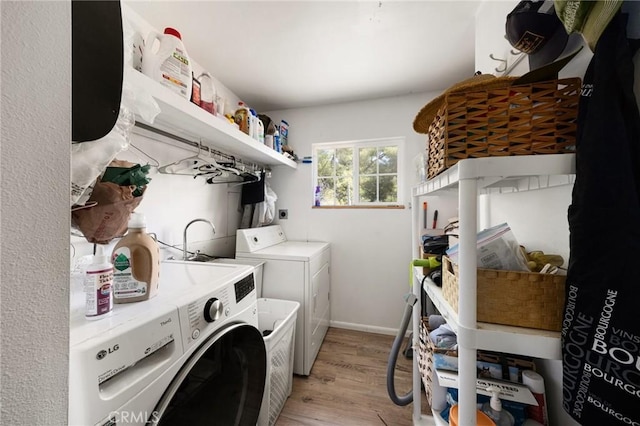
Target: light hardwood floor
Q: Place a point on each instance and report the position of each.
(347, 385)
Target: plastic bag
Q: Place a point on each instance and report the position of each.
(497, 248)
(110, 217)
(89, 159)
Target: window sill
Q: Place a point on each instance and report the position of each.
(393, 207)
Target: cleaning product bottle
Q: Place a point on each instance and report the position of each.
(494, 410)
(208, 93)
(98, 285)
(243, 118)
(318, 196)
(276, 141)
(170, 65)
(136, 262)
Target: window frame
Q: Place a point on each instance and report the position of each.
(356, 145)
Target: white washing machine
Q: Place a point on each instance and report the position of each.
(191, 355)
(298, 271)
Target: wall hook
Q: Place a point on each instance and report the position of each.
(503, 65)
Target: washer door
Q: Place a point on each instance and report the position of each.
(221, 384)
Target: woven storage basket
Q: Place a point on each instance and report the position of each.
(523, 299)
(425, 358)
(537, 118)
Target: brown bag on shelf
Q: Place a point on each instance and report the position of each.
(109, 218)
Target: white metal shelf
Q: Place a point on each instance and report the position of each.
(543, 344)
(468, 179)
(182, 118)
(504, 174)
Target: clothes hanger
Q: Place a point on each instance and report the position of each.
(188, 166)
(137, 151)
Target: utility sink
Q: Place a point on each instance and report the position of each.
(203, 258)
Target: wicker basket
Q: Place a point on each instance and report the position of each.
(523, 299)
(537, 118)
(425, 358)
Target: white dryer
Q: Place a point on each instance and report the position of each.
(298, 271)
(191, 355)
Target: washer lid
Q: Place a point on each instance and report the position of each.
(183, 282)
(301, 251)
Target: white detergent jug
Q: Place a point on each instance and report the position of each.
(170, 64)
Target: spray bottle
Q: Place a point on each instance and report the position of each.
(494, 410)
(97, 286)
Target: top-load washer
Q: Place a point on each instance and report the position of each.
(191, 355)
(298, 271)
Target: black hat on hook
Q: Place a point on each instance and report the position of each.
(534, 28)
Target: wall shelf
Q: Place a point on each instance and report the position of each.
(182, 118)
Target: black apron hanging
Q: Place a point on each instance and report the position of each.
(601, 328)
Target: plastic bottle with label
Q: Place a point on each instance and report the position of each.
(284, 133)
(170, 64)
(242, 118)
(207, 93)
(98, 283)
(136, 263)
(276, 141)
(258, 127)
(493, 409)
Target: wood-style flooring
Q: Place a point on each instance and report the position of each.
(347, 385)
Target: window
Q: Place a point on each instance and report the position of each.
(360, 173)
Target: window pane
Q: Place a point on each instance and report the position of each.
(327, 191)
(344, 192)
(368, 189)
(368, 161)
(344, 163)
(389, 189)
(388, 159)
(325, 162)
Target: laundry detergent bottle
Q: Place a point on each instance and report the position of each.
(170, 64)
(136, 264)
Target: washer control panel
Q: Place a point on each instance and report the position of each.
(200, 318)
(244, 287)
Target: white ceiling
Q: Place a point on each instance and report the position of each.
(290, 54)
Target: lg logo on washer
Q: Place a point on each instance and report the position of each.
(104, 352)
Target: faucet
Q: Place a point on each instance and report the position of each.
(184, 236)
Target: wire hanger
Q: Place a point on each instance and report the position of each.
(137, 153)
(189, 166)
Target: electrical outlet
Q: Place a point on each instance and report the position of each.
(283, 214)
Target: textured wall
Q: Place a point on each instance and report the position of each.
(34, 212)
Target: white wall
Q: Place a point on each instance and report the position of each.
(170, 202)
(34, 215)
(371, 248)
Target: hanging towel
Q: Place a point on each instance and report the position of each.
(253, 192)
(601, 331)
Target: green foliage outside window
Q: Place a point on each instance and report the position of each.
(358, 174)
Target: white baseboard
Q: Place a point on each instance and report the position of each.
(365, 328)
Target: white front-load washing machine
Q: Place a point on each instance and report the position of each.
(192, 355)
(298, 271)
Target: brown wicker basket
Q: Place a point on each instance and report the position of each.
(523, 299)
(537, 118)
(425, 358)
